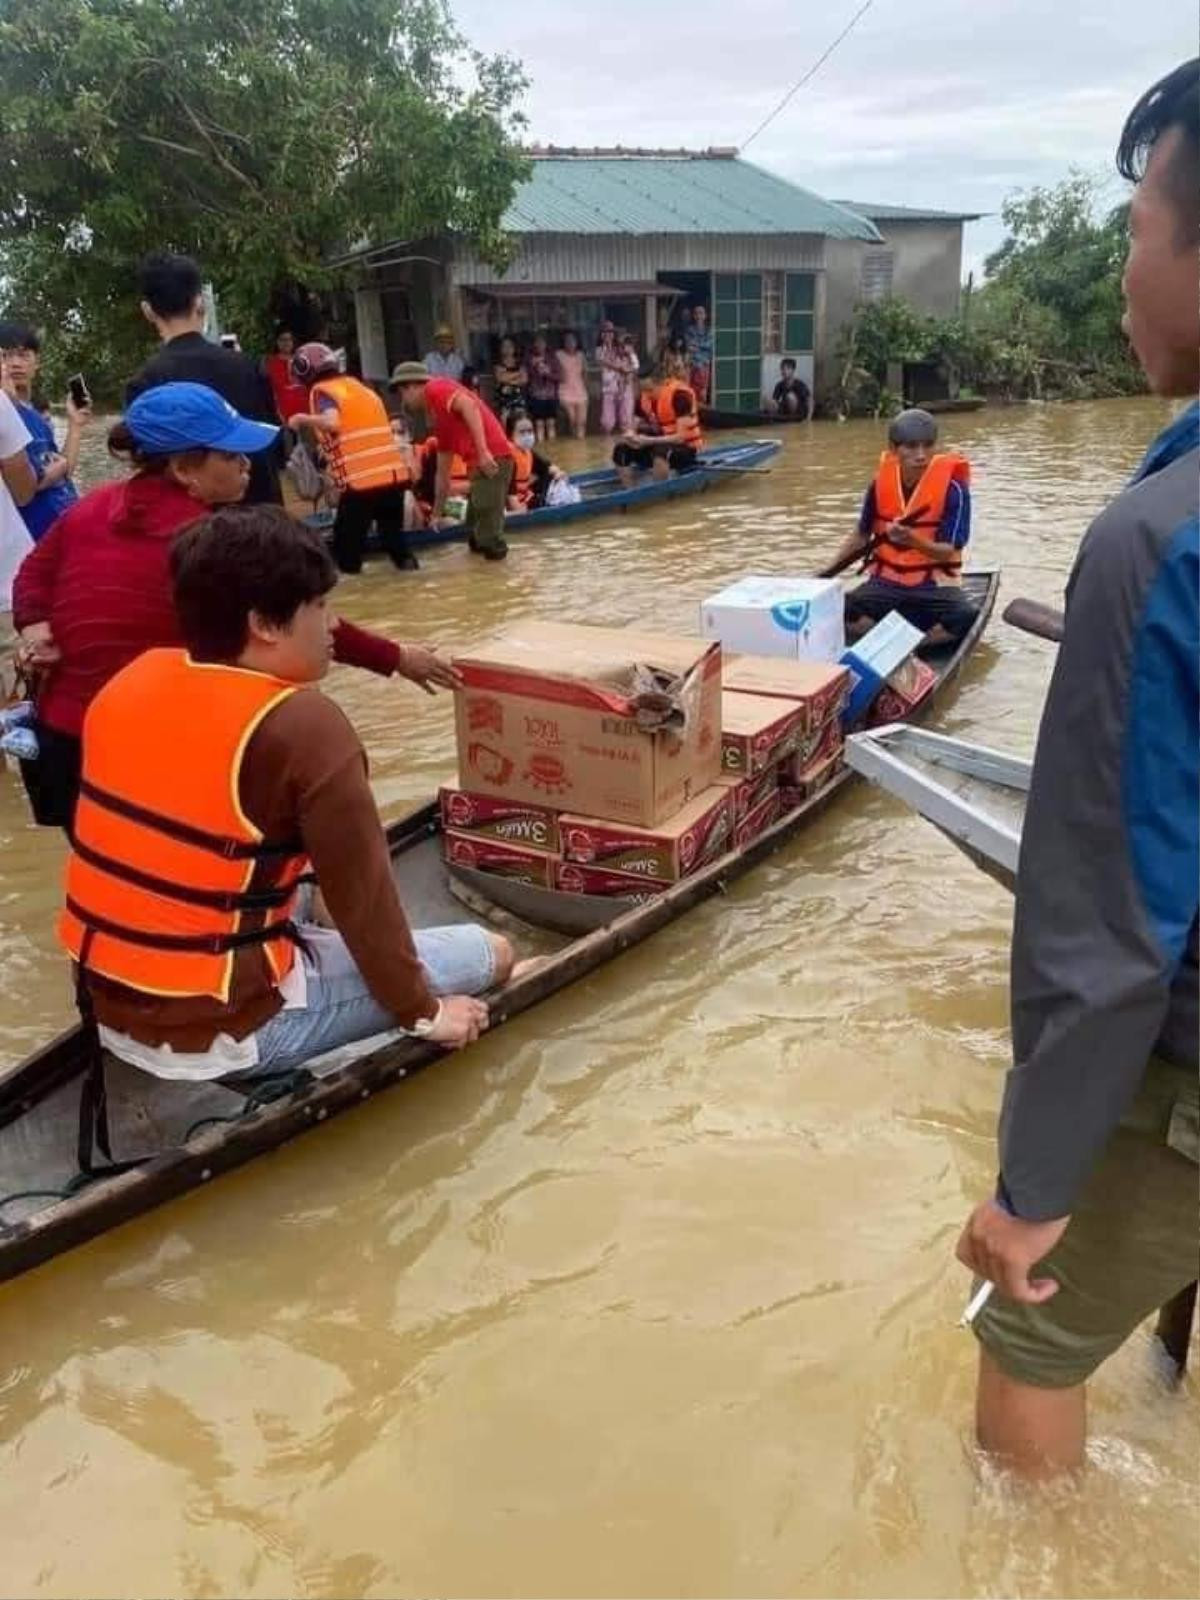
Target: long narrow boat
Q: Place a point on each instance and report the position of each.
(602, 493)
(190, 1134)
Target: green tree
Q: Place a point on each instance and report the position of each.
(257, 137)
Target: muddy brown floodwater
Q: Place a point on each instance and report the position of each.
(654, 1292)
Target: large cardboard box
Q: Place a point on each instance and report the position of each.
(812, 750)
(819, 687)
(764, 815)
(796, 618)
(902, 693)
(757, 731)
(670, 850)
(604, 722)
(574, 878)
(746, 793)
(503, 860)
(809, 782)
(512, 822)
(872, 660)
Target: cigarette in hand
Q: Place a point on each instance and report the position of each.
(976, 1304)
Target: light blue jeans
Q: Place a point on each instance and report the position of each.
(340, 1009)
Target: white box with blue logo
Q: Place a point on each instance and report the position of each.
(797, 618)
(872, 660)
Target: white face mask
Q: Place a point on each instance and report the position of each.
(523, 437)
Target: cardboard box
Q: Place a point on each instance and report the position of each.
(902, 693)
(873, 658)
(502, 860)
(605, 722)
(698, 833)
(759, 820)
(819, 687)
(811, 781)
(757, 731)
(796, 618)
(573, 878)
(746, 793)
(813, 750)
(485, 817)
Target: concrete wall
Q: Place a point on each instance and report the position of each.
(927, 266)
(842, 280)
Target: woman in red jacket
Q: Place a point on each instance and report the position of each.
(95, 592)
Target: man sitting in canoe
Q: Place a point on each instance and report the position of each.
(213, 778)
(668, 441)
(913, 528)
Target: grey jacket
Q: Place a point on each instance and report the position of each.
(1104, 962)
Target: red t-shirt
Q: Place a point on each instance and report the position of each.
(100, 579)
(452, 430)
(290, 397)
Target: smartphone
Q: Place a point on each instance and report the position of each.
(79, 391)
(230, 341)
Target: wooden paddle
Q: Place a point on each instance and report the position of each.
(863, 553)
(1031, 616)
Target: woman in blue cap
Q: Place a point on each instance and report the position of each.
(96, 593)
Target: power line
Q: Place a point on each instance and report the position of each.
(811, 73)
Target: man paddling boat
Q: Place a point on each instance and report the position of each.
(466, 427)
(213, 777)
(1093, 1222)
(913, 528)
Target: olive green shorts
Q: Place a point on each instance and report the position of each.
(486, 504)
(1131, 1244)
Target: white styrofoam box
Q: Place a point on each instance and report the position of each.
(800, 618)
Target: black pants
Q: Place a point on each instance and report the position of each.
(926, 606)
(52, 781)
(680, 457)
(356, 511)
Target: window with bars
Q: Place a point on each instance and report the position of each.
(738, 339)
(876, 280)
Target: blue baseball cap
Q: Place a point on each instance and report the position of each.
(191, 416)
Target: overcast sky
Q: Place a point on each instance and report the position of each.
(952, 104)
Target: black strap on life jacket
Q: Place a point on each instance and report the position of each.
(232, 900)
(209, 944)
(228, 848)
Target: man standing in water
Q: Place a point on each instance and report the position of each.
(465, 426)
(1093, 1223)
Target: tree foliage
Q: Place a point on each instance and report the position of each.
(257, 137)
(1046, 322)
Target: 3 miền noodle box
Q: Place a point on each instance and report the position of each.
(603, 722)
(797, 618)
(671, 849)
(512, 822)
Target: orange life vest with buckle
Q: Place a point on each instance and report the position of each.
(363, 453)
(162, 856)
(893, 562)
(664, 398)
(522, 480)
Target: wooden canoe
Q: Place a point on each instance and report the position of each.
(192, 1133)
(604, 495)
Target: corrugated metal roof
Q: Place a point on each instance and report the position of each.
(907, 213)
(671, 194)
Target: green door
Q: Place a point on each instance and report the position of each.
(738, 340)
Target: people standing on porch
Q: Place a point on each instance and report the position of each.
(673, 368)
(698, 344)
(543, 389)
(444, 360)
(612, 376)
(511, 378)
(465, 426)
(572, 383)
(628, 399)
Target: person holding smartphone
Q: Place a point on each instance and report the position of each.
(20, 358)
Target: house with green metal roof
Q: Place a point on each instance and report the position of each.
(637, 237)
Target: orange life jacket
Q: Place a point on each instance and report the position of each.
(522, 479)
(892, 562)
(688, 427)
(162, 854)
(362, 454)
(664, 397)
(648, 404)
(460, 478)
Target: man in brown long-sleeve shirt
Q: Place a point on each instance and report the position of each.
(210, 777)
